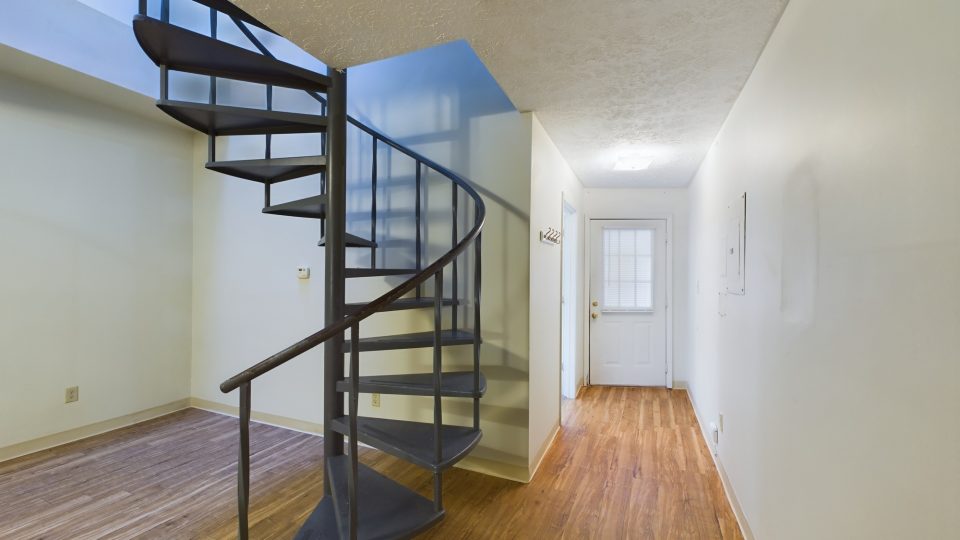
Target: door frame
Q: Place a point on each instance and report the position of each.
(566, 204)
(588, 268)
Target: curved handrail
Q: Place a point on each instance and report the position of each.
(384, 300)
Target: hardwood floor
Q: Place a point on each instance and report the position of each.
(629, 463)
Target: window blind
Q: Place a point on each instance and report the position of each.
(628, 269)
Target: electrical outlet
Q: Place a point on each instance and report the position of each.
(375, 400)
(72, 394)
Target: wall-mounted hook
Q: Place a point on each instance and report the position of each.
(550, 236)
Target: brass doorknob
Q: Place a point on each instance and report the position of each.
(595, 315)
(595, 303)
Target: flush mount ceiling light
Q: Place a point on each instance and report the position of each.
(633, 163)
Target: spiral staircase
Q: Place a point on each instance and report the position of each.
(358, 502)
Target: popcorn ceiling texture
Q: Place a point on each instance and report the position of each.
(605, 77)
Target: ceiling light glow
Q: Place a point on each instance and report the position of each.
(633, 163)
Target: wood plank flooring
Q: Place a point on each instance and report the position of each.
(629, 463)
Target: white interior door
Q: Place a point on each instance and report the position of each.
(628, 297)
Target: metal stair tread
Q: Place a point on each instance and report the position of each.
(321, 524)
(386, 510)
(374, 272)
(402, 304)
(412, 340)
(352, 240)
(184, 50)
(412, 441)
(452, 384)
(272, 170)
(312, 208)
(229, 120)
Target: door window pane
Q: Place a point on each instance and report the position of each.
(627, 269)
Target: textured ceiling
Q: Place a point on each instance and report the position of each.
(607, 78)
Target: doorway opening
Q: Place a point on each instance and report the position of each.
(568, 304)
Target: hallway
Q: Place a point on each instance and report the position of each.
(629, 463)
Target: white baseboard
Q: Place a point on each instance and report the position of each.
(487, 466)
(724, 479)
(90, 430)
(276, 420)
(471, 463)
(490, 467)
(542, 452)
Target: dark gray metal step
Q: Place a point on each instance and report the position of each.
(452, 384)
(402, 304)
(352, 241)
(227, 120)
(374, 272)
(322, 523)
(413, 441)
(414, 340)
(386, 509)
(312, 207)
(184, 50)
(270, 171)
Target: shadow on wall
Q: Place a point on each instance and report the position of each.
(429, 100)
(443, 103)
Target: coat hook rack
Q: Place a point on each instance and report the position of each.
(550, 236)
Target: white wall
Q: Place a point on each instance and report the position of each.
(837, 372)
(81, 38)
(551, 182)
(247, 302)
(653, 204)
(95, 273)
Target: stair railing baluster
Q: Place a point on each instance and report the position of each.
(373, 206)
(164, 83)
(165, 11)
(243, 468)
(419, 240)
(354, 446)
(437, 367)
(453, 243)
(323, 173)
(268, 148)
(477, 270)
(268, 151)
(142, 7)
(212, 138)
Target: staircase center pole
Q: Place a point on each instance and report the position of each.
(334, 261)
